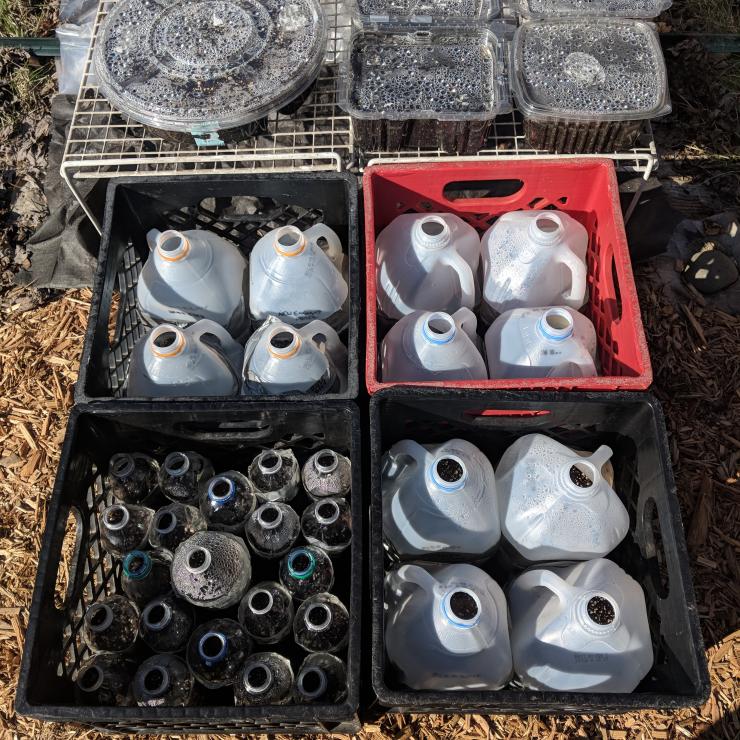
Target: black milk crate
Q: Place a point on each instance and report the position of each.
(215, 202)
(230, 434)
(653, 552)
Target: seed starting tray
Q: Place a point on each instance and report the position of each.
(102, 142)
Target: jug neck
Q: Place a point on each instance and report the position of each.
(137, 565)
(157, 616)
(318, 618)
(289, 241)
(172, 246)
(167, 341)
(431, 232)
(221, 490)
(438, 328)
(597, 613)
(258, 678)
(213, 647)
(461, 608)
(269, 516)
(261, 601)
(448, 473)
(546, 229)
(580, 478)
(284, 342)
(555, 325)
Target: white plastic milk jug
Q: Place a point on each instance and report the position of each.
(433, 346)
(194, 275)
(555, 504)
(279, 358)
(439, 499)
(294, 279)
(427, 262)
(582, 627)
(199, 360)
(447, 628)
(554, 342)
(534, 258)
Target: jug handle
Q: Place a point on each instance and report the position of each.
(416, 575)
(333, 243)
(585, 363)
(577, 277)
(334, 346)
(467, 280)
(405, 447)
(465, 319)
(232, 351)
(541, 578)
(152, 237)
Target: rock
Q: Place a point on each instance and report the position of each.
(709, 270)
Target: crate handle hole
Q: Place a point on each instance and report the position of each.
(617, 292)
(480, 189)
(507, 412)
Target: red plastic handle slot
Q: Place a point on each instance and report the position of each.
(507, 412)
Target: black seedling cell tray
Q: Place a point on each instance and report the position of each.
(240, 208)
(653, 552)
(230, 434)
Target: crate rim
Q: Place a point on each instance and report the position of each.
(505, 701)
(299, 713)
(622, 382)
(353, 255)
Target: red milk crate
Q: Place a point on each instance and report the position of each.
(479, 192)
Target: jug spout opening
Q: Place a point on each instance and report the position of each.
(257, 678)
(116, 517)
(156, 681)
(327, 512)
(289, 241)
(156, 616)
(284, 343)
(326, 462)
(221, 490)
(122, 465)
(439, 328)
(269, 462)
(556, 324)
(176, 464)
(261, 601)
(581, 479)
(199, 560)
(461, 608)
(432, 232)
(449, 473)
(318, 617)
(597, 613)
(167, 341)
(172, 246)
(546, 228)
(212, 647)
(269, 516)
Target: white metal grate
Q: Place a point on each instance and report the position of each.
(104, 143)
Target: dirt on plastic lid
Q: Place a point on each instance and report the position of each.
(432, 12)
(602, 8)
(589, 70)
(207, 65)
(443, 75)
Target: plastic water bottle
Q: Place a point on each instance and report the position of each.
(439, 500)
(280, 359)
(292, 278)
(541, 343)
(131, 477)
(111, 625)
(173, 524)
(182, 475)
(200, 360)
(327, 523)
(327, 473)
(146, 575)
(275, 475)
(166, 623)
(321, 624)
(227, 501)
(447, 628)
(163, 681)
(211, 569)
(266, 612)
(216, 651)
(125, 527)
(534, 258)
(272, 529)
(433, 346)
(105, 680)
(194, 275)
(582, 627)
(321, 679)
(265, 678)
(555, 504)
(306, 571)
(427, 262)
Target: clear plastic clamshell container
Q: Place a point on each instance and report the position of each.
(425, 12)
(582, 8)
(587, 86)
(206, 66)
(426, 89)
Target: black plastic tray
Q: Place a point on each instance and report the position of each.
(136, 205)
(654, 552)
(230, 433)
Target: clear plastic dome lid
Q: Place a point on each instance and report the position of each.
(447, 12)
(206, 65)
(589, 70)
(580, 8)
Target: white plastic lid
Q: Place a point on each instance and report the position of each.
(589, 70)
(442, 12)
(447, 75)
(206, 65)
(603, 8)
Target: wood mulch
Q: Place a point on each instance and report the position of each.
(696, 360)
